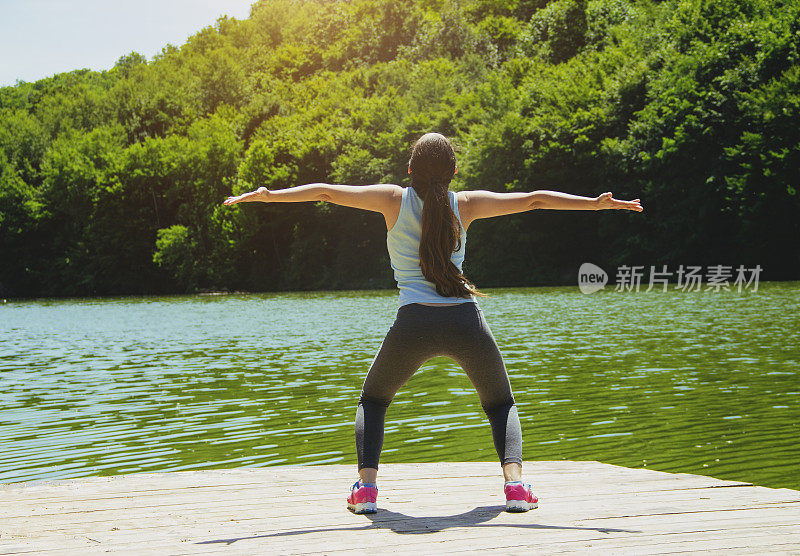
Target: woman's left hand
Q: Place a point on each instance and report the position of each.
(607, 201)
(259, 194)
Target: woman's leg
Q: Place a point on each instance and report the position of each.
(407, 345)
(475, 349)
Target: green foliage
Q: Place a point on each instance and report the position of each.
(177, 252)
(602, 17)
(112, 182)
(558, 31)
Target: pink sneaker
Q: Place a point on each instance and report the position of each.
(362, 499)
(519, 497)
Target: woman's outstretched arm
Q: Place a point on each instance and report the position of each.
(368, 197)
(544, 199)
(486, 204)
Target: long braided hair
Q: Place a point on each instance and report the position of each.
(432, 166)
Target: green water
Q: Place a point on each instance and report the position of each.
(699, 382)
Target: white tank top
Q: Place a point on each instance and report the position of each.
(402, 242)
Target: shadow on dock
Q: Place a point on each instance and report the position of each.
(411, 525)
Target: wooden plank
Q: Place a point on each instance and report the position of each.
(469, 537)
(757, 540)
(242, 506)
(429, 522)
(556, 481)
(338, 518)
(718, 499)
(456, 538)
(92, 510)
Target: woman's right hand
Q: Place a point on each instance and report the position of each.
(259, 195)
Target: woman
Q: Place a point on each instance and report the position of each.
(438, 313)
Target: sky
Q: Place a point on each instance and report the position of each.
(39, 38)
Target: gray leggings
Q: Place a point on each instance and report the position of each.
(419, 333)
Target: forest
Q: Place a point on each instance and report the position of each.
(112, 182)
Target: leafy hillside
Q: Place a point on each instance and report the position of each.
(111, 182)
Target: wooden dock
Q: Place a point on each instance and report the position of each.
(424, 508)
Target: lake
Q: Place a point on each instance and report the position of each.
(699, 382)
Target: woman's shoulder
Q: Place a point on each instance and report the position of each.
(394, 202)
(388, 188)
(391, 196)
(462, 205)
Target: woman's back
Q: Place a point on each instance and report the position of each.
(402, 241)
